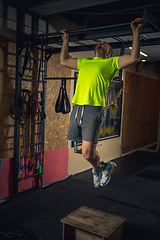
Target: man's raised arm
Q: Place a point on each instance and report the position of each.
(126, 60)
(65, 60)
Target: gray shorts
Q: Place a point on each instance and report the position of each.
(85, 123)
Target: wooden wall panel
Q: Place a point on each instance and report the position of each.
(7, 83)
(56, 123)
(140, 111)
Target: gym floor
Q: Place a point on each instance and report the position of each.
(133, 193)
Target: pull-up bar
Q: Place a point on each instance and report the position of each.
(116, 79)
(86, 33)
(83, 30)
(60, 78)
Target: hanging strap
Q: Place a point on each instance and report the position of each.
(62, 103)
(58, 102)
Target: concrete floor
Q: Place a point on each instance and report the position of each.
(133, 193)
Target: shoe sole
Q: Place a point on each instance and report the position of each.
(113, 167)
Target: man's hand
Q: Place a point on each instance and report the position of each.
(65, 59)
(128, 59)
(64, 35)
(135, 25)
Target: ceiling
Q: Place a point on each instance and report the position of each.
(95, 14)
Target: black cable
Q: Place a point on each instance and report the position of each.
(16, 111)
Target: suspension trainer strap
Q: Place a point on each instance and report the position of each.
(58, 102)
(62, 103)
(66, 104)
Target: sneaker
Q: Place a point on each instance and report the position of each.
(107, 169)
(97, 178)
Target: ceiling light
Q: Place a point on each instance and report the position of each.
(143, 60)
(142, 53)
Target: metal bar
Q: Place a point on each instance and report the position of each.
(143, 38)
(32, 134)
(33, 91)
(153, 23)
(96, 40)
(119, 39)
(80, 43)
(33, 58)
(121, 70)
(21, 44)
(23, 178)
(17, 103)
(43, 98)
(126, 10)
(30, 145)
(149, 42)
(83, 30)
(31, 80)
(35, 70)
(29, 166)
(32, 113)
(36, 102)
(100, 32)
(60, 78)
(34, 123)
(31, 155)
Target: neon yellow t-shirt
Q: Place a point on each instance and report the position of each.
(95, 75)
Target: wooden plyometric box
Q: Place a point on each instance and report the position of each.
(89, 224)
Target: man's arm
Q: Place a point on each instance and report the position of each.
(126, 60)
(65, 60)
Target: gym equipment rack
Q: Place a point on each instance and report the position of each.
(29, 107)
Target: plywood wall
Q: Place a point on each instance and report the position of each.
(7, 86)
(140, 111)
(56, 124)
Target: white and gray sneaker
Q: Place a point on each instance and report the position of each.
(107, 169)
(97, 178)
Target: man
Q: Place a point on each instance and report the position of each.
(89, 99)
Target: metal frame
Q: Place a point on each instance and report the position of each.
(24, 41)
(151, 24)
(28, 45)
(17, 103)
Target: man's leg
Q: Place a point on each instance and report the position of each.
(101, 175)
(91, 155)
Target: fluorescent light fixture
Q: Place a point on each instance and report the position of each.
(142, 53)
